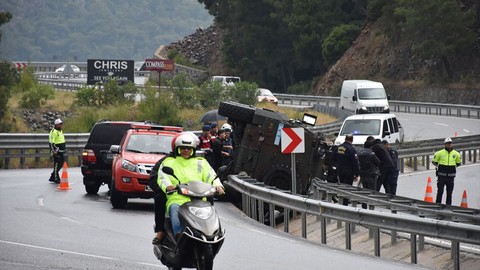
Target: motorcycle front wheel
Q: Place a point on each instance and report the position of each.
(204, 257)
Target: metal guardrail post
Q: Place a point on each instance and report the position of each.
(348, 236)
(261, 213)
(304, 225)
(323, 228)
(376, 241)
(456, 255)
(413, 248)
(271, 209)
(286, 214)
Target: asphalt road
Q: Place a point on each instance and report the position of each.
(423, 127)
(44, 228)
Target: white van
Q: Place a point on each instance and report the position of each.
(363, 96)
(380, 126)
(226, 80)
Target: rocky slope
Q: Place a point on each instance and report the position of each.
(370, 57)
(403, 74)
(202, 48)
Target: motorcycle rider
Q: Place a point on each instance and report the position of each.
(187, 167)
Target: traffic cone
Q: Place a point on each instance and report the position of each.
(464, 203)
(428, 191)
(64, 179)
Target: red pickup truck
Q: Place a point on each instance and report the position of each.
(140, 148)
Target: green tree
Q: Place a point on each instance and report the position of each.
(183, 91)
(210, 93)
(33, 93)
(437, 28)
(87, 96)
(338, 41)
(158, 107)
(114, 93)
(244, 92)
(278, 43)
(8, 78)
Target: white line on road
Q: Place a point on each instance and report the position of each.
(441, 124)
(466, 131)
(70, 252)
(40, 201)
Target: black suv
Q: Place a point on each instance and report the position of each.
(96, 156)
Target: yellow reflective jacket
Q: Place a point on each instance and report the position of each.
(56, 139)
(186, 170)
(447, 161)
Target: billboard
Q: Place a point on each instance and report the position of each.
(159, 64)
(102, 70)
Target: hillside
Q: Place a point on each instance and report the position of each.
(405, 76)
(56, 30)
(371, 56)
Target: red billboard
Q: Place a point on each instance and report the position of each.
(159, 64)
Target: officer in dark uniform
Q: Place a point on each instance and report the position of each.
(346, 161)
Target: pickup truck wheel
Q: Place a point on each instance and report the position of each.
(116, 198)
(236, 112)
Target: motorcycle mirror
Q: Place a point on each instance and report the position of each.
(168, 170)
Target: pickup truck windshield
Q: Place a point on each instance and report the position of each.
(361, 127)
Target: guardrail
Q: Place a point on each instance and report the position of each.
(457, 110)
(35, 145)
(416, 155)
(257, 199)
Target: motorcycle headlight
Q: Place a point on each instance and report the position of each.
(201, 212)
(129, 166)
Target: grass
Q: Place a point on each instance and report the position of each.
(84, 118)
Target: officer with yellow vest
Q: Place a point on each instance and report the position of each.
(446, 160)
(57, 148)
(187, 167)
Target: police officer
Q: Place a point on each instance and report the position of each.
(446, 161)
(346, 161)
(57, 148)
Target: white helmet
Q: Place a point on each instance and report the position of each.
(227, 127)
(57, 121)
(447, 140)
(185, 140)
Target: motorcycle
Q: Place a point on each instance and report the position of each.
(202, 237)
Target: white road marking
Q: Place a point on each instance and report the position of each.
(71, 252)
(466, 131)
(441, 124)
(40, 201)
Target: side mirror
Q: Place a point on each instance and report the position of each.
(385, 134)
(336, 134)
(388, 97)
(115, 149)
(354, 98)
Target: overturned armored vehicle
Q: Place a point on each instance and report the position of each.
(257, 133)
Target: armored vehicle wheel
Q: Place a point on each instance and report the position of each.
(280, 177)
